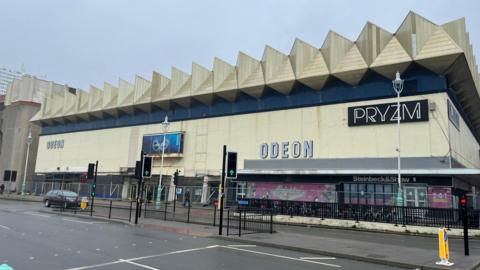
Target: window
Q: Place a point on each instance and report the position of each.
(13, 176)
(372, 194)
(6, 176)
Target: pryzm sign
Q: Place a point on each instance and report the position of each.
(410, 111)
(294, 149)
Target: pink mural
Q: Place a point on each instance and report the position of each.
(291, 191)
(439, 197)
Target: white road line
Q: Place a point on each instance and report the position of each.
(36, 214)
(241, 246)
(141, 258)
(84, 222)
(5, 227)
(280, 256)
(78, 221)
(140, 265)
(317, 258)
(96, 265)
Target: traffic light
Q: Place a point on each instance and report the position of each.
(463, 202)
(232, 164)
(138, 169)
(147, 167)
(92, 193)
(91, 170)
(175, 178)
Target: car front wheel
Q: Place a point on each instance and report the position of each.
(47, 203)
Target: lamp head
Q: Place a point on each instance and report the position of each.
(397, 83)
(29, 138)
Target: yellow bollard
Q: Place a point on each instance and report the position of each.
(83, 203)
(219, 195)
(443, 250)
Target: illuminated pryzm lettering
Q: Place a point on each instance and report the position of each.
(409, 111)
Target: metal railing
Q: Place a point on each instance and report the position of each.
(247, 220)
(189, 213)
(111, 210)
(398, 215)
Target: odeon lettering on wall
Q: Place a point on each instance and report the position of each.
(295, 149)
(56, 144)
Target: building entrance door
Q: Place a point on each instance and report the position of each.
(415, 196)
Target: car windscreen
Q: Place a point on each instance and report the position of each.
(69, 194)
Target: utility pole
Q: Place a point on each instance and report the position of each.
(139, 191)
(94, 187)
(222, 188)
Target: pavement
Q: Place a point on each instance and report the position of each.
(412, 252)
(31, 238)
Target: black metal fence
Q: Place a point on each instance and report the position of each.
(111, 210)
(182, 213)
(430, 217)
(247, 220)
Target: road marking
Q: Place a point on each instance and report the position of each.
(36, 214)
(317, 258)
(84, 222)
(5, 227)
(140, 265)
(96, 265)
(241, 246)
(142, 258)
(280, 256)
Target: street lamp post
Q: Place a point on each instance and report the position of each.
(165, 125)
(398, 87)
(29, 141)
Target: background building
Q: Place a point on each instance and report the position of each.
(6, 77)
(315, 125)
(22, 101)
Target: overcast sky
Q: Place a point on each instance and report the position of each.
(91, 41)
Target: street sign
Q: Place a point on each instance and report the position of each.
(232, 165)
(242, 202)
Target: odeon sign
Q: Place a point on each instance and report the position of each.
(287, 150)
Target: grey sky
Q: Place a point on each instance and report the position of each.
(92, 41)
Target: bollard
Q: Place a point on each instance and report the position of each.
(145, 211)
(271, 221)
(130, 213)
(214, 216)
(240, 223)
(188, 214)
(165, 216)
(228, 221)
(110, 210)
(443, 249)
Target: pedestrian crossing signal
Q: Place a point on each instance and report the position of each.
(147, 167)
(232, 164)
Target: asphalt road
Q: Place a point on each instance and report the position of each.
(33, 240)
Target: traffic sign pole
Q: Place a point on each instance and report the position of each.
(222, 187)
(140, 180)
(94, 187)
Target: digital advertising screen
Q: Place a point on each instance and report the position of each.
(152, 145)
